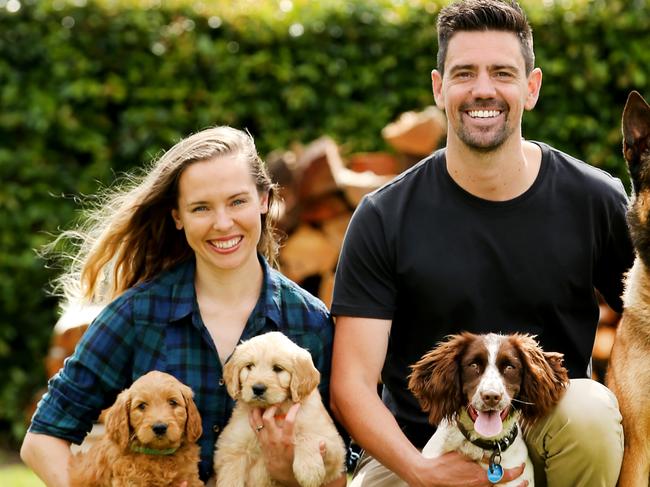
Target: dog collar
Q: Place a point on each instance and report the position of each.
(497, 445)
(152, 451)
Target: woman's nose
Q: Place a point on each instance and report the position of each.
(222, 220)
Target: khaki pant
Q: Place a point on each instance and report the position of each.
(580, 444)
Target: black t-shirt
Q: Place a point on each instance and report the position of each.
(436, 260)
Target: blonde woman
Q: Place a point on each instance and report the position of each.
(183, 257)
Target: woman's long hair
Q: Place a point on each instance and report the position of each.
(128, 235)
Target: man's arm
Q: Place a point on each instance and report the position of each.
(360, 346)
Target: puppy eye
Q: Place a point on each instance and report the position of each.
(142, 406)
(249, 366)
(173, 403)
(277, 368)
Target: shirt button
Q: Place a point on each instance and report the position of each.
(216, 428)
(221, 382)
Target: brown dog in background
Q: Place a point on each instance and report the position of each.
(629, 370)
(150, 439)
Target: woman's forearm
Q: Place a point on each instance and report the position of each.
(48, 457)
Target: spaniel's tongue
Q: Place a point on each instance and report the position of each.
(488, 423)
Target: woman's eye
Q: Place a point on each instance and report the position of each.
(197, 209)
(238, 202)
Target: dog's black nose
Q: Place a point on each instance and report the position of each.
(259, 389)
(159, 428)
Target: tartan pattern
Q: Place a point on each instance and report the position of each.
(157, 326)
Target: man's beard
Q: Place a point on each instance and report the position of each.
(484, 142)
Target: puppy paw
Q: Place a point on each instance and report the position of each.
(308, 468)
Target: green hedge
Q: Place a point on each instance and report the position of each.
(88, 90)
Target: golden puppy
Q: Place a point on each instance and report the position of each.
(150, 440)
(272, 370)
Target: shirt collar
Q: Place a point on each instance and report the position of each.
(181, 279)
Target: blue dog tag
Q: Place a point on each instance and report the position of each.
(495, 473)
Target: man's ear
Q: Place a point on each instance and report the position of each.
(534, 86)
(436, 84)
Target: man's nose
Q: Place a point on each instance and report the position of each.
(483, 86)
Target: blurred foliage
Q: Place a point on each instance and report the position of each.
(90, 89)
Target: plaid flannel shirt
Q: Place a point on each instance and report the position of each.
(157, 326)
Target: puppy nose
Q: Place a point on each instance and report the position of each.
(490, 398)
(159, 428)
(259, 389)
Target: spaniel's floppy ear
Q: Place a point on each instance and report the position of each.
(193, 428)
(544, 380)
(231, 374)
(304, 376)
(436, 381)
(118, 427)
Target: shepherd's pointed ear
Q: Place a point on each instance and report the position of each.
(636, 119)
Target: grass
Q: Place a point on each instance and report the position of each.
(18, 475)
(13, 473)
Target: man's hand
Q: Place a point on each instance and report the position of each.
(456, 470)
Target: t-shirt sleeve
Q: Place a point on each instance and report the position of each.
(616, 254)
(365, 283)
(90, 379)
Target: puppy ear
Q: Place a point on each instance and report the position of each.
(544, 379)
(117, 420)
(305, 377)
(435, 381)
(193, 427)
(231, 375)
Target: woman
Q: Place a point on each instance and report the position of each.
(183, 256)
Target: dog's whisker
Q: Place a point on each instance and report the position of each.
(523, 402)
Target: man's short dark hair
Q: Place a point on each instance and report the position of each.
(480, 15)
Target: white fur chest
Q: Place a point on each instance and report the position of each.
(448, 438)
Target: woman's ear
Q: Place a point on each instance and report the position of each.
(264, 202)
(177, 219)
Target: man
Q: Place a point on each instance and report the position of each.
(492, 233)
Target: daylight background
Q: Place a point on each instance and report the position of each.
(89, 89)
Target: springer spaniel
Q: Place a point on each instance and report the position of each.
(476, 388)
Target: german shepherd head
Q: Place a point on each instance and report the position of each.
(636, 150)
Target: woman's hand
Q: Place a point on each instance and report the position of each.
(277, 441)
